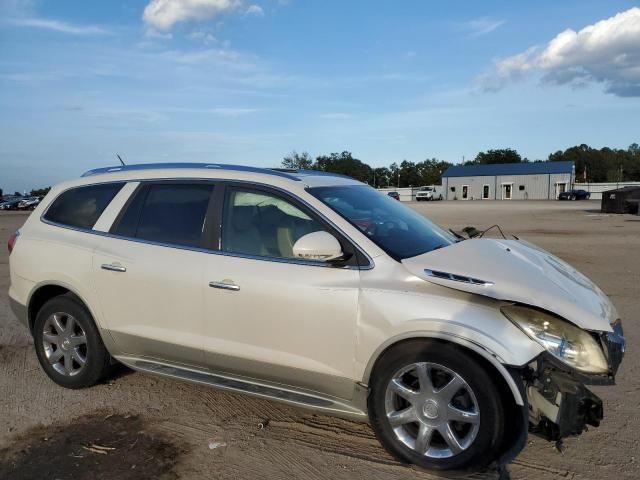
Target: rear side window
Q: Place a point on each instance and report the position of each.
(167, 213)
(81, 207)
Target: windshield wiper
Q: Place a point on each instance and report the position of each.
(459, 237)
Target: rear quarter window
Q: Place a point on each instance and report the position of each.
(82, 206)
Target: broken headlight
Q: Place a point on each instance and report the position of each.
(566, 342)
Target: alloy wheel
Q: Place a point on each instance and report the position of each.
(65, 344)
(432, 410)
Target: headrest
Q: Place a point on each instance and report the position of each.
(243, 218)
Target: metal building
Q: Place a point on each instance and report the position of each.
(508, 181)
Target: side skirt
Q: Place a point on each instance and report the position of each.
(285, 394)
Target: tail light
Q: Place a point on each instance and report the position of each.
(12, 241)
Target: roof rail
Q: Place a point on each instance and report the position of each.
(309, 172)
(207, 166)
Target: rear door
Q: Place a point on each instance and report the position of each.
(147, 272)
(272, 316)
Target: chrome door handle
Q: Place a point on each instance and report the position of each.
(225, 286)
(113, 268)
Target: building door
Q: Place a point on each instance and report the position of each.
(465, 192)
(485, 192)
(506, 191)
(561, 187)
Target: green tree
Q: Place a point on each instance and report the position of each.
(298, 161)
(40, 192)
(345, 164)
(502, 155)
(382, 177)
(602, 165)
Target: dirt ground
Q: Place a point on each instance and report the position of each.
(157, 428)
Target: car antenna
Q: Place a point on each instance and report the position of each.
(121, 161)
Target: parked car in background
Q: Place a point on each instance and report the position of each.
(316, 290)
(29, 203)
(395, 195)
(10, 204)
(428, 193)
(574, 195)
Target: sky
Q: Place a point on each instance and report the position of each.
(248, 81)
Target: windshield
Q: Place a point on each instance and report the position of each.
(394, 227)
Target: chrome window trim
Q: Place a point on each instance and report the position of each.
(294, 261)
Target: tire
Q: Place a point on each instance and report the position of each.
(475, 438)
(64, 356)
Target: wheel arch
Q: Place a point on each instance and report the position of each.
(510, 387)
(490, 359)
(45, 291)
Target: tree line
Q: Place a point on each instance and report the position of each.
(592, 165)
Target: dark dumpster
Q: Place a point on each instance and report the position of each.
(621, 200)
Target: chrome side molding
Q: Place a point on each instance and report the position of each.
(286, 394)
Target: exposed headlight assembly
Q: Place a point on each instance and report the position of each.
(566, 342)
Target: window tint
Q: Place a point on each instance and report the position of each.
(260, 223)
(81, 207)
(167, 213)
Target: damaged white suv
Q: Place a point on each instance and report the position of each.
(319, 291)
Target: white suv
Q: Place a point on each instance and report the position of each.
(319, 291)
(427, 194)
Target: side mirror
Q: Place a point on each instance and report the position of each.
(318, 246)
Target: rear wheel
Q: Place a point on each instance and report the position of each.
(68, 343)
(431, 404)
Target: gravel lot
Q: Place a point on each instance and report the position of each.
(193, 431)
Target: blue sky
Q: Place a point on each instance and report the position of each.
(247, 82)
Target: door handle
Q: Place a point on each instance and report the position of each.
(225, 286)
(113, 268)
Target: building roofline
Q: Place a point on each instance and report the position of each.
(503, 169)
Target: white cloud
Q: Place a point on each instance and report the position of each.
(482, 26)
(203, 36)
(255, 10)
(606, 52)
(163, 14)
(59, 26)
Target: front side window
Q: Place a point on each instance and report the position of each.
(82, 206)
(256, 222)
(167, 213)
(394, 227)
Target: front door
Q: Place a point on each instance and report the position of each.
(148, 276)
(271, 316)
(506, 191)
(560, 188)
(465, 192)
(485, 192)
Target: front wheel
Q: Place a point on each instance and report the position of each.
(431, 404)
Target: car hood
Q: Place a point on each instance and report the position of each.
(517, 271)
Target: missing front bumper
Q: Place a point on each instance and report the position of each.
(560, 406)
